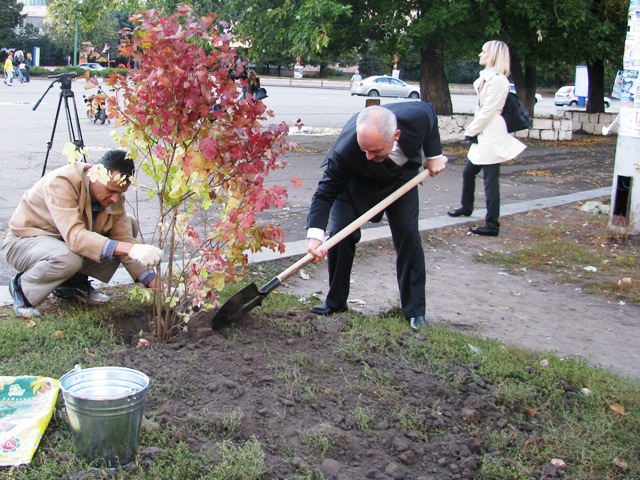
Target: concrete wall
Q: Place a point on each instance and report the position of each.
(559, 127)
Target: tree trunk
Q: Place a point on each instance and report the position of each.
(530, 87)
(433, 82)
(595, 102)
(525, 82)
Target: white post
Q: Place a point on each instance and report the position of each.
(625, 193)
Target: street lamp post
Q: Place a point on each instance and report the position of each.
(75, 36)
(75, 45)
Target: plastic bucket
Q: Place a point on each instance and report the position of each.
(104, 407)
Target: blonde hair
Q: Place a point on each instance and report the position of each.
(499, 58)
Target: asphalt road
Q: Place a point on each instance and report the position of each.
(332, 107)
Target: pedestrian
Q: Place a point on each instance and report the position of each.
(356, 77)
(71, 225)
(491, 144)
(18, 60)
(253, 82)
(378, 151)
(8, 70)
(27, 67)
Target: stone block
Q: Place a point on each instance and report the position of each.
(542, 123)
(549, 134)
(566, 125)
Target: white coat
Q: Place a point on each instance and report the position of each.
(495, 144)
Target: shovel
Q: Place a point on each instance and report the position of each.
(250, 296)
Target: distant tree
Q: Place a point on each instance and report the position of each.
(433, 30)
(29, 37)
(167, 7)
(543, 32)
(311, 29)
(462, 70)
(96, 23)
(606, 29)
(89, 13)
(10, 18)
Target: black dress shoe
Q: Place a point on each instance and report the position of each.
(485, 231)
(325, 309)
(459, 212)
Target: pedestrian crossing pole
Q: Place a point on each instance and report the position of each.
(625, 194)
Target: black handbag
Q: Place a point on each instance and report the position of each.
(515, 114)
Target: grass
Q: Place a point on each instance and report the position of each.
(573, 406)
(319, 444)
(579, 249)
(531, 387)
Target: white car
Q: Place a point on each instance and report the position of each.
(91, 66)
(512, 88)
(565, 96)
(384, 86)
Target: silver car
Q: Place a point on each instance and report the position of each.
(566, 96)
(384, 86)
(91, 66)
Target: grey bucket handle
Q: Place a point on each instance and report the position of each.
(132, 394)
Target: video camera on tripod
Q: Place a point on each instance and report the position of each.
(65, 93)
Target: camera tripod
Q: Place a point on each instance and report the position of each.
(75, 134)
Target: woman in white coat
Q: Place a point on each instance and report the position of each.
(491, 144)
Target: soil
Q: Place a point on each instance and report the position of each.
(286, 374)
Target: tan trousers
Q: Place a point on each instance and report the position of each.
(46, 263)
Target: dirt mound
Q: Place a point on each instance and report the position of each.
(284, 379)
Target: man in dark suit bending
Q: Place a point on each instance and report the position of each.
(378, 151)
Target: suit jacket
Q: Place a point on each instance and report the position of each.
(348, 173)
(59, 205)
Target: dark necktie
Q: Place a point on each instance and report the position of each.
(391, 166)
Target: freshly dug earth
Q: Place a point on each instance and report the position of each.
(293, 388)
(286, 379)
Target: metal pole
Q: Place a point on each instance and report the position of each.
(75, 46)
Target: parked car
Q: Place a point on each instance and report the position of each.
(565, 96)
(512, 88)
(91, 66)
(384, 86)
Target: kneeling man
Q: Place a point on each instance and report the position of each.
(71, 225)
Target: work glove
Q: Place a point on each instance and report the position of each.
(146, 254)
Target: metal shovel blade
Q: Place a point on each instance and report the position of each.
(243, 301)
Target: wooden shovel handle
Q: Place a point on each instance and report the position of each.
(357, 223)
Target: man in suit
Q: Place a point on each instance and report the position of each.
(72, 224)
(378, 151)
